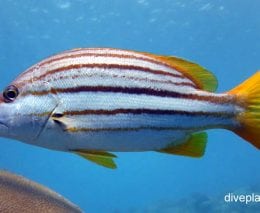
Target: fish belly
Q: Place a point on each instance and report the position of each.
(134, 140)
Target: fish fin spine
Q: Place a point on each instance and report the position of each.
(248, 95)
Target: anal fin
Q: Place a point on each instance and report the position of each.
(101, 158)
(194, 147)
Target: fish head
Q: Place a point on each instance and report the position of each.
(24, 113)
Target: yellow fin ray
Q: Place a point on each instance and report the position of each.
(248, 95)
(101, 158)
(194, 147)
(204, 79)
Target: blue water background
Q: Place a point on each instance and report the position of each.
(220, 35)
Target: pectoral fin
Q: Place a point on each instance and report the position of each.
(194, 147)
(67, 124)
(101, 158)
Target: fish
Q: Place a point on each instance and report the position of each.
(97, 101)
(19, 194)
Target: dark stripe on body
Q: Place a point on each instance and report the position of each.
(146, 128)
(134, 90)
(146, 111)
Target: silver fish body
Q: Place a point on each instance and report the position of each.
(106, 99)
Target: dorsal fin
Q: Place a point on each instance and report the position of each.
(204, 79)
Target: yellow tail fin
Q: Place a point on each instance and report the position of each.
(248, 94)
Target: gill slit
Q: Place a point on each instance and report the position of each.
(46, 121)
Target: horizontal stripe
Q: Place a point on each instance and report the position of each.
(146, 91)
(145, 111)
(141, 128)
(135, 112)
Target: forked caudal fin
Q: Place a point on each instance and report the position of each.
(248, 94)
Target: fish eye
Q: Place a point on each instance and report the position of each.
(10, 93)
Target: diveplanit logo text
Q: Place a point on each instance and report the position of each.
(242, 198)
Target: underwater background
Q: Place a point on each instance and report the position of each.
(221, 35)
